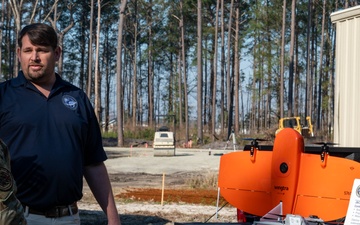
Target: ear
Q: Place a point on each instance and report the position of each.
(57, 53)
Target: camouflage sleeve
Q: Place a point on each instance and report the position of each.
(7, 184)
(11, 210)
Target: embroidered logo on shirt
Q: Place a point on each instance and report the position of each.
(70, 102)
(6, 182)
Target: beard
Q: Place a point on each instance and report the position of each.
(36, 75)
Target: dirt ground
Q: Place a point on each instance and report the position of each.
(189, 197)
(140, 201)
(148, 205)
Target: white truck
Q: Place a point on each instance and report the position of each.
(164, 143)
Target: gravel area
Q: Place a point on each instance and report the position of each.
(134, 168)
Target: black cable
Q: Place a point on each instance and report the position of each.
(216, 212)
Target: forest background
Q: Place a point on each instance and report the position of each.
(205, 68)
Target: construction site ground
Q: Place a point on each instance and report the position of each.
(181, 189)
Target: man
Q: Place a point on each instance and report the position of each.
(11, 210)
(52, 134)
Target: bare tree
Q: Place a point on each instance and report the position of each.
(119, 85)
(291, 65)
(199, 73)
(183, 60)
(180, 89)
(222, 71)
(296, 76)
(97, 106)
(34, 11)
(150, 69)
(331, 85)
(308, 74)
(237, 70)
(282, 60)
(135, 83)
(16, 7)
(228, 72)
(3, 8)
(107, 69)
(90, 50)
(321, 64)
(215, 72)
(62, 33)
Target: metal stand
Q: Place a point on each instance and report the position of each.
(232, 135)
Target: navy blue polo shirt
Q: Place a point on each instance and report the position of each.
(50, 140)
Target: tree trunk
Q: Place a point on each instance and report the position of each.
(269, 58)
(205, 85)
(1, 37)
(229, 84)
(119, 87)
(150, 70)
(33, 12)
(90, 55)
(222, 70)
(297, 103)
(253, 91)
(186, 114)
(135, 86)
(282, 55)
(291, 64)
(314, 70)
(308, 94)
(54, 20)
(331, 89)
(82, 78)
(16, 8)
(321, 66)
(107, 79)
(199, 74)
(237, 72)
(214, 94)
(97, 73)
(180, 89)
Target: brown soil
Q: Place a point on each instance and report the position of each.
(138, 196)
(189, 196)
(139, 204)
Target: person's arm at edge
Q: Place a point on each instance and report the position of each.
(98, 180)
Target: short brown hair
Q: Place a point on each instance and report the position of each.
(39, 34)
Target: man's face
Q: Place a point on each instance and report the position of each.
(37, 62)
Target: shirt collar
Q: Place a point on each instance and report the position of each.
(20, 80)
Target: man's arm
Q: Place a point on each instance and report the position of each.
(99, 183)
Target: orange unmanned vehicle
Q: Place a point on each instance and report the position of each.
(307, 184)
